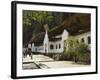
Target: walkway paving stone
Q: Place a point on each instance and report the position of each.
(37, 58)
(47, 62)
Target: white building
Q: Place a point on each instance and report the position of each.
(55, 43)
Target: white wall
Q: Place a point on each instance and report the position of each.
(39, 49)
(54, 50)
(65, 35)
(29, 46)
(85, 36)
(5, 41)
(46, 42)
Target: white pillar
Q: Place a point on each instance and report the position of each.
(33, 47)
(29, 46)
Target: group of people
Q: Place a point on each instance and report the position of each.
(27, 51)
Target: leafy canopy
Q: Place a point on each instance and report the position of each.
(40, 16)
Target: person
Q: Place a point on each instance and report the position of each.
(30, 52)
(24, 52)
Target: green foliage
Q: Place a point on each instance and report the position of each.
(71, 46)
(82, 48)
(40, 16)
(84, 54)
(33, 22)
(75, 51)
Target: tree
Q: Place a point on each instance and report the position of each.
(84, 54)
(42, 17)
(33, 22)
(71, 46)
(76, 51)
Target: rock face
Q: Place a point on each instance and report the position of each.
(75, 23)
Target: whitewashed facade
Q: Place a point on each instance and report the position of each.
(85, 38)
(58, 46)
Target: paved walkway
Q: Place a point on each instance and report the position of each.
(47, 62)
(62, 64)
(37, 58)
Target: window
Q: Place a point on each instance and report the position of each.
(51, 46)
(82, 40)
(89, 40)
(59, 46)
(56, 46)
(35, 49)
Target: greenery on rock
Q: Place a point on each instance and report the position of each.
(76, 51)
(33, 22)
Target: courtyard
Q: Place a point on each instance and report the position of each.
(44, 62)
